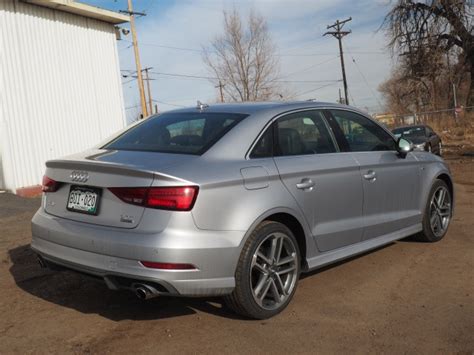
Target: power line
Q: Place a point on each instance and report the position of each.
(189, 76)
(170, 47)
(327, 54)
(312, 90)
(167, 103)
(366, 82)
(310, 67)
(129, 81)
(195, 50)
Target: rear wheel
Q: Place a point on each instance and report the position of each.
(437, 213)
(267, 272)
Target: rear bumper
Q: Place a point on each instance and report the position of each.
(114, 254)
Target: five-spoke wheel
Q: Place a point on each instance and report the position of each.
(438, 213)
(267, 272)
(273, 270)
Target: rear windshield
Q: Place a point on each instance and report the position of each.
(183, 133)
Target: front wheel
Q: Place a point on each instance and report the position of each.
(267, 272)
(438, 212)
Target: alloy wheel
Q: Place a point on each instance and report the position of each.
(440, 211)
(274, 271)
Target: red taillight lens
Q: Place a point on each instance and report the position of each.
(172, 198)
(179, 198)
(49, 185)
(133, 195)
(167, 266)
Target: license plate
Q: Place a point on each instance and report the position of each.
(83, 200)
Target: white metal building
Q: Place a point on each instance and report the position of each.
(60, 87)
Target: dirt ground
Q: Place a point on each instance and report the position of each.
(407, 297)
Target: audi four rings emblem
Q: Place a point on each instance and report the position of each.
(79, 176)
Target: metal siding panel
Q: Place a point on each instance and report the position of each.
(60, 88)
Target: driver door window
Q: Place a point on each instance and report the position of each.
(361, 134)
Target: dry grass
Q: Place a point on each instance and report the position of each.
(457, 135)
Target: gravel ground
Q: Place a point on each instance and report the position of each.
(405, 297)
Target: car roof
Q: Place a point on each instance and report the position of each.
(411, 126)
(250, 108)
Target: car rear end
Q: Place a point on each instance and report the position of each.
(121, 215)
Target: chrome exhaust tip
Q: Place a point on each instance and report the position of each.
(141, 293)
(145, 292)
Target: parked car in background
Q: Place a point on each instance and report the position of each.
(422, 136)
(236, 200)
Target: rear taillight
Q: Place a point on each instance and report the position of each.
(167, 266)
(178, 198)
(49, 185)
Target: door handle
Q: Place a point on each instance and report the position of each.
(305, 184)
(371, 175)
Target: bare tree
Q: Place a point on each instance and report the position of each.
(243, 59)
(425, 30)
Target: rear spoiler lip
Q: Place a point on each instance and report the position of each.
(104, 167)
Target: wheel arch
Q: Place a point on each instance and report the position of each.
(295, 223)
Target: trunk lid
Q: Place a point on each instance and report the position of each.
(102, 169)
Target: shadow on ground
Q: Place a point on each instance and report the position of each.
(85, 295)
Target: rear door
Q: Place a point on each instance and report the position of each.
(325, 183)
(390, 183)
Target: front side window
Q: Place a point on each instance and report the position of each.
(184, 133)
(303, 133)
(361, 134)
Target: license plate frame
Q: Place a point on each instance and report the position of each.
(85, 189)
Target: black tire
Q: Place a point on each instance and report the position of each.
(242, 299)
(427, 234)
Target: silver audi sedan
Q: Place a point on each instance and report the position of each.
(237, 200)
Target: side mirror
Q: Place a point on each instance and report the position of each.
(404, 147)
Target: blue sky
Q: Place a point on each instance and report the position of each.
(296, 27)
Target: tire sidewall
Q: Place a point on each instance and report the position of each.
(428, 233)
(255, 239)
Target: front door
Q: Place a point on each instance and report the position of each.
(390, 183)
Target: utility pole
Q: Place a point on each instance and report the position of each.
(341, 100)
(148, 85)
(141, 87)
(338, 33)
(221, 86)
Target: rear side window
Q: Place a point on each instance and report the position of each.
(183, 133)
(361, 134)
(264, 146)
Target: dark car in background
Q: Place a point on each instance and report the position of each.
(422, 136)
